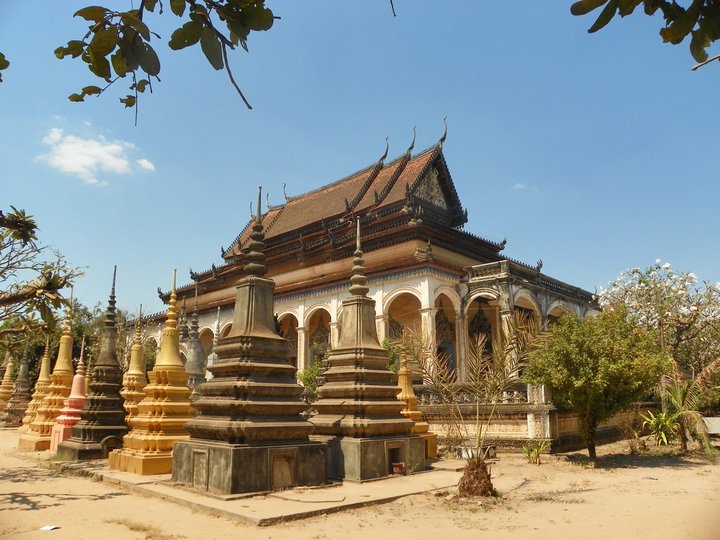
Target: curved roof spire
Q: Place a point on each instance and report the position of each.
(387, 148)
(444, 135)
(408, 152)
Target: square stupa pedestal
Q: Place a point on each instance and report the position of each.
(224, 469)
(359, 459)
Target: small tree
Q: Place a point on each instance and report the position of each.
(597, 367)
(488, 376)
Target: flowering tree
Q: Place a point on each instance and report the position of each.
(685, 314)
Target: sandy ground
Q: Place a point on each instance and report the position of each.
(647, 496)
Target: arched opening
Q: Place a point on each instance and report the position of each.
(483, 318)
(526, 307)
(403, 314)
(555, 313)
(288, 330)
(318, 329)
(226, 330)
(183, 358)
(445, 332)
(206, 340)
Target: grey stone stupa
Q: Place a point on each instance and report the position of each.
(196, 359)
(249, 434)
(102, 418)
(15, 409)
(358, 409)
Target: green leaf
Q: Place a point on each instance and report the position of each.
(605, 16)
(628, 6)
(75, 98)
(128, 101)
(177, 7)
(97, 64)
(4, 64)
(239, 29)
(105, 40)
(150, 5)
(700, 41)
(119, 64)
(584, 7)
(91, 90)
(130, 18)
(74, 48)
(211, 47)
(141, 85)
(149, 61)
(92, 13)
(188, 34)
(682, 26)
(258, 17)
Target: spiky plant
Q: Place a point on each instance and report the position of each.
(681, 399)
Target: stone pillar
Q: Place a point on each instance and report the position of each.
(334, 334)
(461, 331)
(303, 350)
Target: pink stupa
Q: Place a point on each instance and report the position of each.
(70, 413)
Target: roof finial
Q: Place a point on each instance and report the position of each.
(412, 144)
(258, 216)
(387, 148)
(81, 363)
(174, 278)
(444, 135)
(196, 295)
(358, 281)
(110, 312)
(285, 192)
(112, 290)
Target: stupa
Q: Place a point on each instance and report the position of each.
(249, 434)
(3, 365)
(41, 388)
(411, 411)
(212, 358)
(15, 409)
(195, 364)
(163, 412)
(134, 380)
(102, 419)
(70, 413)
(37, 436)
(6, 387)
(359, 414)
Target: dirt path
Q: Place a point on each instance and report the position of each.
(625, 497)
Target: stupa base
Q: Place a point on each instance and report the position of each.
(225, 469)
(361, 459)
(70, 449)
(58, 434)
(143, 463)
(431, 444)
(31, 441)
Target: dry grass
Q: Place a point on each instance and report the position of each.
(151, 532)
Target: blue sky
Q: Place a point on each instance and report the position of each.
(593, 153)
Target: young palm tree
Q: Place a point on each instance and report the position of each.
(681, 398)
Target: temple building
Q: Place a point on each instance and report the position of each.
(425, 272)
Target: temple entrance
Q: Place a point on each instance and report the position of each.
(445, 332)
(483, 320)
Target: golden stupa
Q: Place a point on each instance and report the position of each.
(134, 380)
(38, 433)
(41, 389)
(162, 414)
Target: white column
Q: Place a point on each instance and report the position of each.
(303, 353)
(461, 345)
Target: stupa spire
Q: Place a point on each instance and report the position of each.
(358, 280)
(134, 380)
(102, 418)
(256, 248)
(169, 354)
(41, 387)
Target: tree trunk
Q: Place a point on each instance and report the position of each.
(591, 450)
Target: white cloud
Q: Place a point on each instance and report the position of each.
(85, 158)
(519, 185)
(145, 164)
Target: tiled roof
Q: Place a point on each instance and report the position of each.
(387, 181)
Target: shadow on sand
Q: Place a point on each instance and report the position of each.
(41, 501)
(668, 459)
